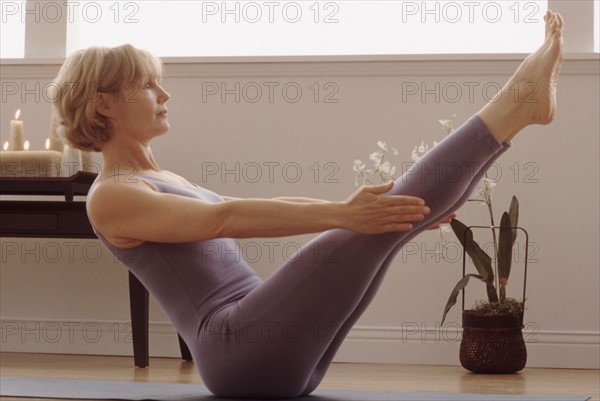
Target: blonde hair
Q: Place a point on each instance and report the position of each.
(88, 72)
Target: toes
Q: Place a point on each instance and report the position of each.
(561, 22)
(557, 32)
(553, 24)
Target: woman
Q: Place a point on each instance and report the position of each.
(275, 338)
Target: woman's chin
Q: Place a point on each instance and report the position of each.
(165, 129)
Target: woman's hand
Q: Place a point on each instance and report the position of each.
(370, 211)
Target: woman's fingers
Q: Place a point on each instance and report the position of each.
(396, 218)
(379, 189)
(410, 213)
(377, 212)
(402, 200)
(377, 193)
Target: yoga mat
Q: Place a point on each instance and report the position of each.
(118, 390)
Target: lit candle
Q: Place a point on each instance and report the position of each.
(71, 161)
(29, 163)
(16, 132)
(56, 129)
(6, 145)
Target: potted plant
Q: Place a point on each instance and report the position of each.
(492, 340)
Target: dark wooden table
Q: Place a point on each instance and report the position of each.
(68, 219)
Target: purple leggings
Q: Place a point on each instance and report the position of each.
(276, 339)
(279, 339)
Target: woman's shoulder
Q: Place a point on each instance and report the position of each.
(109, 193)
(120, 182)
(112, 197)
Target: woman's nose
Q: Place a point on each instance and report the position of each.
(164, 95)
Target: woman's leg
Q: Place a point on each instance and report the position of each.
(321, 368)
(270, 342)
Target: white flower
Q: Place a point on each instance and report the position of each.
(485, 189)
(414, 155)
(488, 185)
(384, 169)
(359, 166)
(387, 168)
(419, 151)
(376, 157)
(445, 233)
(446, 228)
(448, 124)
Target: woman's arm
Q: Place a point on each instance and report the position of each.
(286, 199)
(311, 200)
(134, 212)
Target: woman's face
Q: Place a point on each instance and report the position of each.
(139, 110)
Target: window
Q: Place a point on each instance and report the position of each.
(12, 30)
(597, 26)
(189, 28)
(246, 28)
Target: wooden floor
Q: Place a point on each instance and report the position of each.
(340, 376)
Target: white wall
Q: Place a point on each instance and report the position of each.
(71, 297)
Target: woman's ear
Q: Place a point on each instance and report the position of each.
(104, 105)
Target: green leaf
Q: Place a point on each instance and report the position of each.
(506, 242)
(513, 212)
(457, 289)
(481, 260)
(491, 292)
(505, 246)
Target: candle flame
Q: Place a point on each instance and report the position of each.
(26, 145)
(17, 114)
(47, 143)
(5, 147)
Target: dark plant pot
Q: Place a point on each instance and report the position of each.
(492, 344)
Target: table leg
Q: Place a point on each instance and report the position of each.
(186, 355)
(138, 302)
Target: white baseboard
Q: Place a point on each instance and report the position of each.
(427, 346)
(411, 344)
(83, 337)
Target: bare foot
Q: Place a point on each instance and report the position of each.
(529, 96)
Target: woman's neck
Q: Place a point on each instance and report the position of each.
(128, 158)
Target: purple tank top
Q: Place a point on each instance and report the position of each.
(191, 281)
